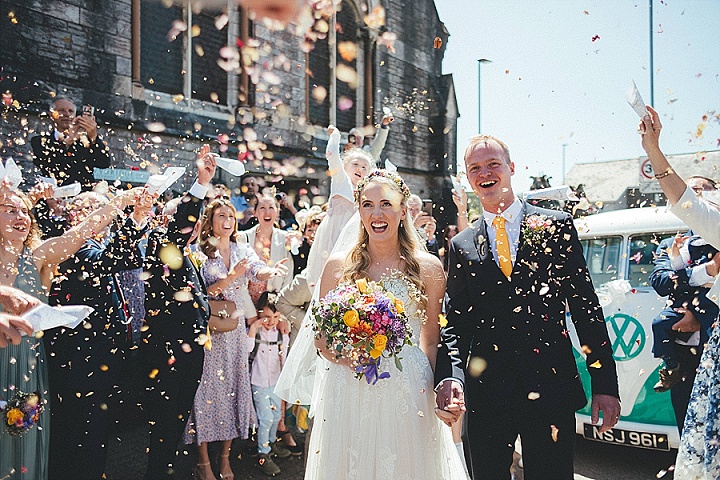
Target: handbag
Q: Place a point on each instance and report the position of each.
(223, 316)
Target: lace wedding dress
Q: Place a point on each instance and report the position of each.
(384, 431)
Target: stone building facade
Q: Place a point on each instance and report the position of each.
(166, 76)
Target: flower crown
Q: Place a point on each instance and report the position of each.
(392, 176)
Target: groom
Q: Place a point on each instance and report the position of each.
(512, 273)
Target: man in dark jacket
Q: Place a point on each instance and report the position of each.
(74, 149)
(177, 314)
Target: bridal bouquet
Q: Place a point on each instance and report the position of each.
(364, 323)
(21, 412)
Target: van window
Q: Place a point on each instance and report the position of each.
(641, 257)
(603, 258)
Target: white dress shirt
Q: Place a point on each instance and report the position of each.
(513, 217)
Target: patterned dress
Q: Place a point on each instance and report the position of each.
(223, 408)
(23, 367)
(699, 451)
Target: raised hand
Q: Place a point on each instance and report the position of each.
(206, 165)
(649, 129)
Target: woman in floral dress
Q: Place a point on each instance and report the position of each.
(223, 408)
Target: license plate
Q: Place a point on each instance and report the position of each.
(653, 441)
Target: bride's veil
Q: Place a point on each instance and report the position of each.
(300, 373)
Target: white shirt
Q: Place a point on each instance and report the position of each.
(268, 360)
(513, 217)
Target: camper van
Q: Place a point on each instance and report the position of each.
(619, 248)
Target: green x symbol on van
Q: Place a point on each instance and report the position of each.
(629, 336)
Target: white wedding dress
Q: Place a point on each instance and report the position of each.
(384, 431)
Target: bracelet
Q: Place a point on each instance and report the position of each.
(664, 174)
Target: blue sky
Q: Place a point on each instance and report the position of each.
(550, 84)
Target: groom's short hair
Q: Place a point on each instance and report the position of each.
(483, 138)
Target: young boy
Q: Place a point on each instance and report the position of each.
(267, 348)
(684, 269)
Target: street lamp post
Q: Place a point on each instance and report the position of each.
(564, 146)
(480, 62)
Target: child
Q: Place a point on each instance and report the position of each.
(268, 347)
(681, 272)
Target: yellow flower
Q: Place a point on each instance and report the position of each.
(362, 285)
(380, 341)
(351, 318)
(375, 353)
(442, 321)
(399, 306)
(13, 415)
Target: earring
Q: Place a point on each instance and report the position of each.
(401, 225)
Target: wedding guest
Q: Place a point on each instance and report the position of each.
(74, 149)
(267, 347)
(223, 408)
(29, 265)
(178, 311)
(308, 222)
(698, 455)
(271, 244)
(85, 363)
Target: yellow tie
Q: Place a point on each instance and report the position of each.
(502, 246)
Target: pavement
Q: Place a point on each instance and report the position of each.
(127, 455)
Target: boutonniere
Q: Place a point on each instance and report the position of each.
(197, 258)
(535, 230)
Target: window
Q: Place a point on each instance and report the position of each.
(344, 65)
(641, 258)
(179, 51)
(603, 258)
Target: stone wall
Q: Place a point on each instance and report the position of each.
(82, 49)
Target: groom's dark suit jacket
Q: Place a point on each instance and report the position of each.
(518, 325)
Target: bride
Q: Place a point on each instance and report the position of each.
(386, 430)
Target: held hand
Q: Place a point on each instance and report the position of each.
(688, 323)
(283, 326)
(206, 165)
(649, 128)
(387, 119)
(450, 401)
(610, 406)
(16, 302)
(11, 329)
(332, 129)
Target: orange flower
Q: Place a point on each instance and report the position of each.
(375, 353)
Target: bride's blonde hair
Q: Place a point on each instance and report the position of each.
(358, 260)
